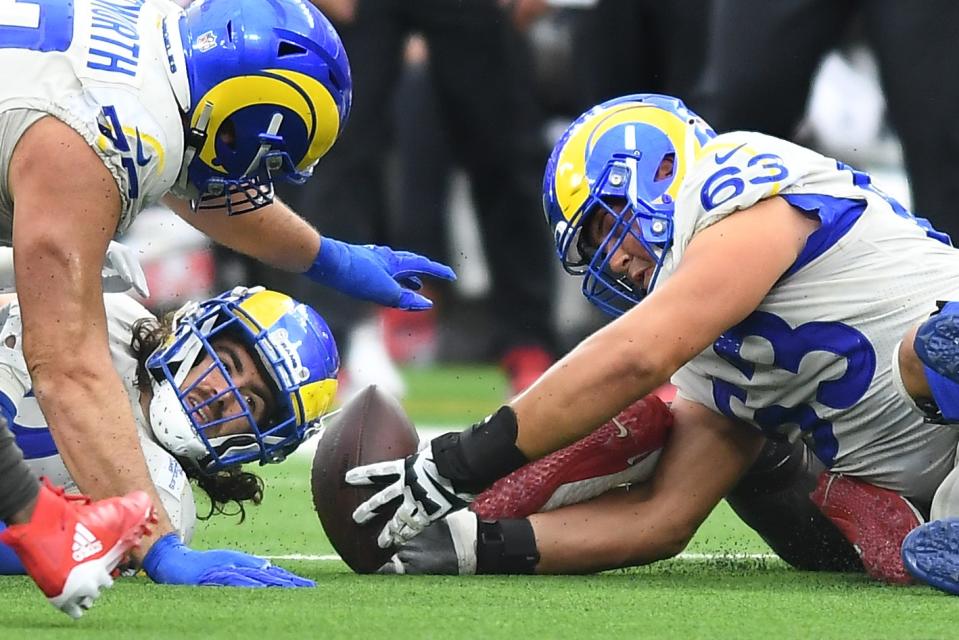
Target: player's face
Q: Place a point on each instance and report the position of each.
(247, 378)
(629, 258)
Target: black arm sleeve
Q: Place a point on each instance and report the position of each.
(479, 456)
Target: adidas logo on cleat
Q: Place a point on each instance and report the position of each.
(85, 544)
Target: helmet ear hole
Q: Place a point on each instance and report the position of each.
(334, 81)
(287, 48)
(227, 134)
(667, 167)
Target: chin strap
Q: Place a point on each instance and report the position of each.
(176, 56)
(168, 419)
(267, 141)
(195, 139)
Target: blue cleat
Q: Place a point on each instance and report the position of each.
(931, 554)
(937, 345)
(937, 341)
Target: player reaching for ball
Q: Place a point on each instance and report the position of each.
(778, 289)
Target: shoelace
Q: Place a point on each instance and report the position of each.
(61, 492)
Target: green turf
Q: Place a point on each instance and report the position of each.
(453, 395)
(718, 598)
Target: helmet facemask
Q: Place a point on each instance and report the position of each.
(626, 159)
(186, 421)
(617, 194)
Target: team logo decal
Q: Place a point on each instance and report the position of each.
(206, 41)
(289, 351)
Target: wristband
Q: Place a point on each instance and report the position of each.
(506, 547)
(474, 459)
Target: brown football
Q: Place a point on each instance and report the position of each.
(371, 427)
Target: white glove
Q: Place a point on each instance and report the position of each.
(122, 270)
(427, 495)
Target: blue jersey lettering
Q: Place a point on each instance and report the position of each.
(114, 29)
(790, 346)
(112, 130)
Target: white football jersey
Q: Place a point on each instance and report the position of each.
(815, 358)
(33, 436)
(114, 71)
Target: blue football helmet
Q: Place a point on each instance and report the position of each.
(270, 91)
(607, 161)
(295, 353)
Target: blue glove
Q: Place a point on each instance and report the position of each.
(375, 273)
(169, 561)
(10, 564)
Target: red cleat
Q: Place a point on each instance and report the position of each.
(625, 449)
(873, 519)
(71, 545)
(524, 365)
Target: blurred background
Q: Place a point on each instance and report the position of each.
(457, 103)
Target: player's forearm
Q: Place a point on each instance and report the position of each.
(67, 207)
(92, 424)
(93, 427)
(590, 385)
(577, 395)
(703, 459)
(622, 528)
(87, 409)
(274, 235)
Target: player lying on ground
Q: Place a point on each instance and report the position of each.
(142, 101)
(773, 497)
(772, 285)
(239, 378)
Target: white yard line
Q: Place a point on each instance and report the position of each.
(431, 431)
(688, 557)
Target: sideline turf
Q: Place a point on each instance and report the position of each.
(722, 598)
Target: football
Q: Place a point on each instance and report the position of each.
(371, 427)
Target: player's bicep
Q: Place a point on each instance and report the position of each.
(66, 201)
(724, 275)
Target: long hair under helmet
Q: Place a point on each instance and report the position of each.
(289, 342)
